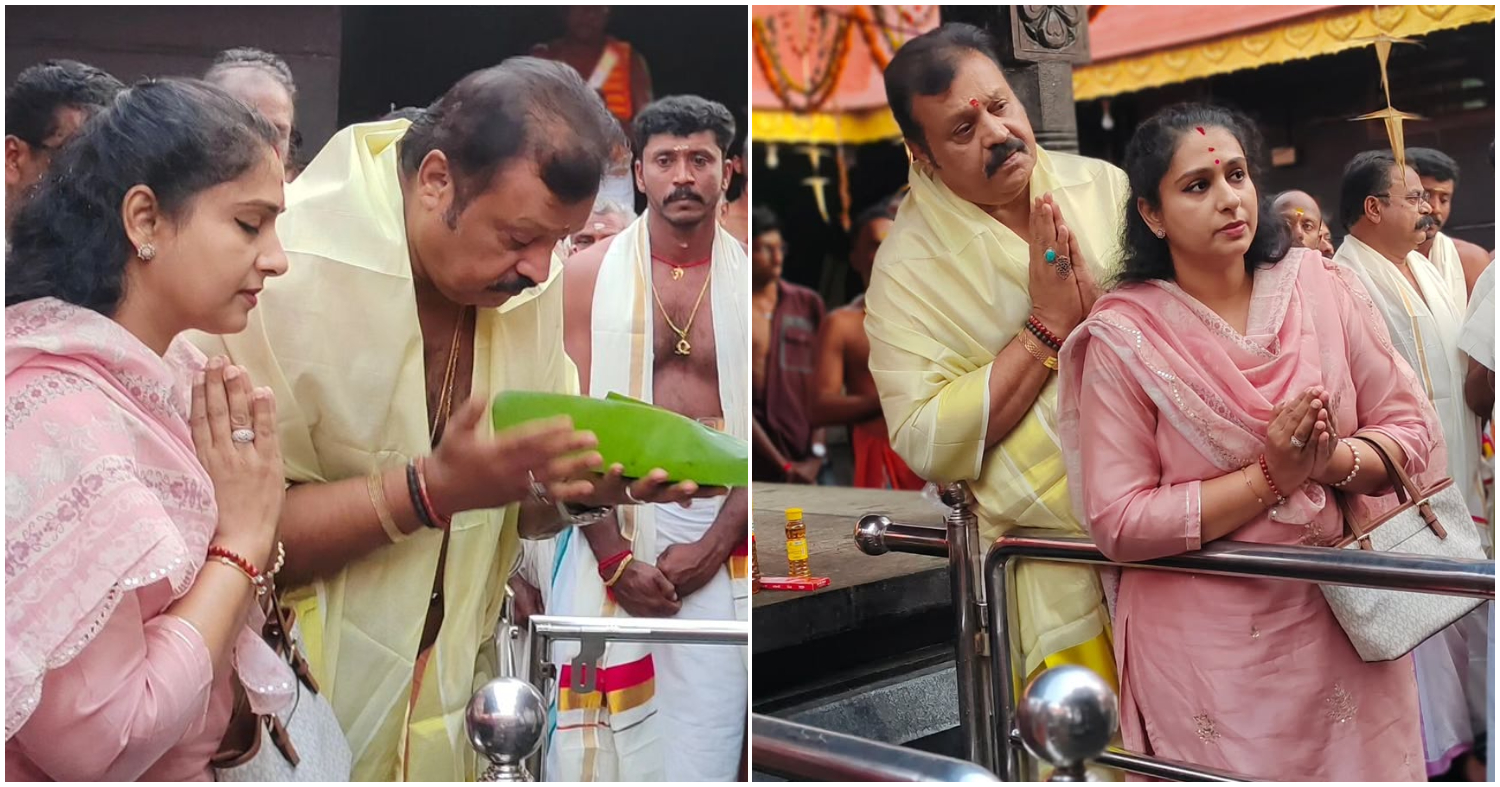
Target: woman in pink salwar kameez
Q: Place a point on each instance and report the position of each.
(1212, 395)
(126, 461)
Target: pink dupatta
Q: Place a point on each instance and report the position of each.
(1309, 321)
(104, 494)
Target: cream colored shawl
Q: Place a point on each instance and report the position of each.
(622, 361)
(949, 290)
(1425, 328)
(338, 341)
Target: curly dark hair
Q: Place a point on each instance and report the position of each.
(1145, 257)
(682, 116)
(32, 101)
(179, 137)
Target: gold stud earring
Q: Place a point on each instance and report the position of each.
(146, 252)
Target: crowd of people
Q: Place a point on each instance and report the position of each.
(1158, 356)
(238, 491)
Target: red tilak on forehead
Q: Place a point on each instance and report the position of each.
(1201, 131)
(974, 102)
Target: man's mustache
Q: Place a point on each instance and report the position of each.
(1001, 152)
(1428, 223)
(515, 286)
(683, 193)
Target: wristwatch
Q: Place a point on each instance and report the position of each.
(582, 516)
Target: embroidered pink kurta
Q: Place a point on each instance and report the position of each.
(108, 515)
(1158, 395)
(140, 703)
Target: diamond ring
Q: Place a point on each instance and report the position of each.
(242, 435)
(1298, 442)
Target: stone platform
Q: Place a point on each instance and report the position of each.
(865, 590)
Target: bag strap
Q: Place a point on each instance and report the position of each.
(1406, 491)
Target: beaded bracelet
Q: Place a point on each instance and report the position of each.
(280, 559)
(1265, 470)
(1355, 471)
(1042, 332)
(619, 571)
(228, 558)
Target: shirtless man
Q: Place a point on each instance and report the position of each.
(676, 264)
(845, 392)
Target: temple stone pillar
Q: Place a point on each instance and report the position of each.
(1039, 45)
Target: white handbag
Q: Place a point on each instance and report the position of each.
(306, 742)
(1387, 624)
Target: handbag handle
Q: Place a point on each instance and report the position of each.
(1406, 491)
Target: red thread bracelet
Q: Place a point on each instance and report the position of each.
(257, 579)
(609, 562)
(1265, 470)
(427, 501)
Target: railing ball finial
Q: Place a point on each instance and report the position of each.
(1067, 716)
(869, 534)
(956, 494)
(506, 719)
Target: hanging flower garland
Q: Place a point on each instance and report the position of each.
(821, 83)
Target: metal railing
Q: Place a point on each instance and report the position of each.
(802, 753)
(981, 608)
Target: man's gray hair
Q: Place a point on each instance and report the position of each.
(607, 205)
(258, 59)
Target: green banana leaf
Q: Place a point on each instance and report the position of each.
(638, 435)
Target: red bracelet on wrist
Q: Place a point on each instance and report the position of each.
(610, 562)
(426, 500)
(787, 468)
(1044, 333)
(228, 558)
(1265, 470)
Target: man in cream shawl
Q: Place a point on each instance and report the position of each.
(968, 392)
(1383, 206)
(660, 313)
(422, 276)
(1458, 261)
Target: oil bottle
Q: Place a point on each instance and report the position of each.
(796, 545)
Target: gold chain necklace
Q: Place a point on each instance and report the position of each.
(445, 394)
(684, 347)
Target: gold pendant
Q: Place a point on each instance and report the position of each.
(676, 273)
(683, 348)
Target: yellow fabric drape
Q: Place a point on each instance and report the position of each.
(949, 290)
(337, 339)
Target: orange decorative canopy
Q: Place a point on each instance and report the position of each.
(1140, 47)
